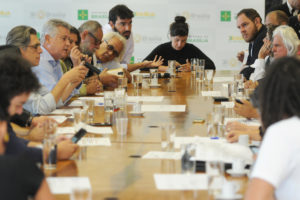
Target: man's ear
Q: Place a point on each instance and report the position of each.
(257, 21)
(111, 24)
(47, 39)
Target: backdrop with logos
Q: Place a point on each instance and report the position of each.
(212, 22)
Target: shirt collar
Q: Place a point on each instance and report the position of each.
(289, 7)
(47, 56)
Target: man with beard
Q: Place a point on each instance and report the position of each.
(120, 20)
(253, 32)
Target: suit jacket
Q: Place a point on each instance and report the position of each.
(257, 44)
(293, 20)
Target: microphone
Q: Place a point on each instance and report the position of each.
(92, 68)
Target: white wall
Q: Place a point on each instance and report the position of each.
(220, 40)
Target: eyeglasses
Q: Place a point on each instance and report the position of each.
(97, 41)
(35, 46)
(111, 48)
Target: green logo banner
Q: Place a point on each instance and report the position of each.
(83, 15)
(225, 16)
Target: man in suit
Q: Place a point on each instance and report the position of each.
(253, 32)
(292, 9)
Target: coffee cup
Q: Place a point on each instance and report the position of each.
(229, 189)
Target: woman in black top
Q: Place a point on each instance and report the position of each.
(178, 49)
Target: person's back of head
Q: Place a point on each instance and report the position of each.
(179, 27)
(121, 11)
(289, 38)
(9, 50)
(16, 78)
(279, 94)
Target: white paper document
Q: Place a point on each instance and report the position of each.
(223, 79)
(99, 101)
(63, 112)
(64, 185)
(229, 104)
(59, 119)
(88, 128)
(92, 141)
(181, 181)
(243, 120)
(145, 98)
(98, 130)
(163, 108)
(211, 93)
(216, 149)
(65, 130)
(162, 155)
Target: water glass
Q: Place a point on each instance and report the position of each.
(122, 82)
(80, 119)
(231, 90)
(153, 77)
(137, 107)
(109, 101)
(137, 81)
(209, 75)
(120, 99)
(79, 193)
(89, 106)
(194, 63)
(215, 173)
(49, 152)
(165, 137)
(172, 67)
(188, 162)
(199, 73)
(121, 121)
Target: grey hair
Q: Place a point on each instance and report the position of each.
(19, 36)
(111, 35)
(91, 26)
(50, 28)
(289, 38)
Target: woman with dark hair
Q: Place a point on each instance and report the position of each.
(276, 173)
(178, 49)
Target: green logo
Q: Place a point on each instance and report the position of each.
(38, 35)
(83, 15)
(131, 60)
(225, 16)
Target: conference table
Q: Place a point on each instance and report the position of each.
(118, 171)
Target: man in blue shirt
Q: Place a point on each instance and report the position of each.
(55, 44)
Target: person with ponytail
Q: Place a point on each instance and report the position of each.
(178, 49)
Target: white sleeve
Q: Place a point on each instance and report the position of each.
(274, 157)
(259, 72)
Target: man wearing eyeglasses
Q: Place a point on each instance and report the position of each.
(91, 37)
(120, 20)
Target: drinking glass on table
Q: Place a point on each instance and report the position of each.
(80, 193)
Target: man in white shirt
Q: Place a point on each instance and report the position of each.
(120, 20)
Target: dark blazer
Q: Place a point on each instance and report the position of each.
(293, 20)
(284, 7)
(257, 44)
